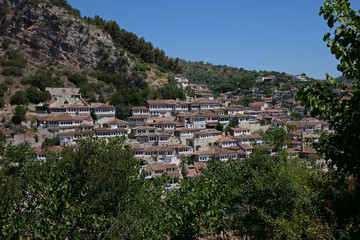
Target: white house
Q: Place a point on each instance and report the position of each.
(60, 122)
(181, 81)
(100, 110)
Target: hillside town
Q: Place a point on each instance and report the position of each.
(179, 137)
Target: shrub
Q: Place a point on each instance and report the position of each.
(15, 59)
(19, 97)
(12, 71)
(2, 102)
(4, 9)
(43, 79)
(77, 78)
(5, 43)
(49, 142)
(36, 96)
(9, 81)
(19, 116)
(3, 88)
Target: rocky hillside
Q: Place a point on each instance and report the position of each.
(46, 43)
(45, 33)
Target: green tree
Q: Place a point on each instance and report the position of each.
(276, 138)
(19, 97)
(42, 79)
(232, 124)
(36, 96)
(340, 148)
(219, 127)
(297, 116)
(341, 114)
(278, 198)
(96, 192)
(19, 115)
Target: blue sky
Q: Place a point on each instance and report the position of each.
(279, 35)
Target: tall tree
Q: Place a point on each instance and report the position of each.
(342, 114)
(341, 147)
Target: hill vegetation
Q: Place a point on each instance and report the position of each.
(222, 78)
(58, 48)
(98, 192)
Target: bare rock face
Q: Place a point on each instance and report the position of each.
(43, 32)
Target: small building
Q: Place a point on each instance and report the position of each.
(192, 171)
(239, 131)
(139, 120)
(100, 110)
(157, 170)
(143, 111)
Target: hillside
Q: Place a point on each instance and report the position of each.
(222, 78)
(48, 44)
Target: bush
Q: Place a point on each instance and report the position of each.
(3, 88)
(77, 78)
(12, 71)
(15, 60)
(43, 79)
(9, 81)
(4, 9)
(142, 67)
(2, 102)
(5, 43)
(36, 96)
(19, 116)
(49, 142)
(19, 98)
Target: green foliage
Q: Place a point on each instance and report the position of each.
(32, 94)
(342, 115)
(276, 138)
(219, 127)
(9, 81)
(2, 102)
(36, 96)
(219, 78)
(3, 88)
(5, 42)
(171, 91)
(19, 115)
(126, 98)
(262, 198)
(64, 4)
(247, 99)
(93, 193)
(4, 9)
(340, 148)
(42, 79)
(279, 199)
(135, 45)
(142, 67)
(297, 116)
(12, 71)
(19, 97)
(50, 142)
(13, 63)
(232, 124)
(77, 78)
(343, 44)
